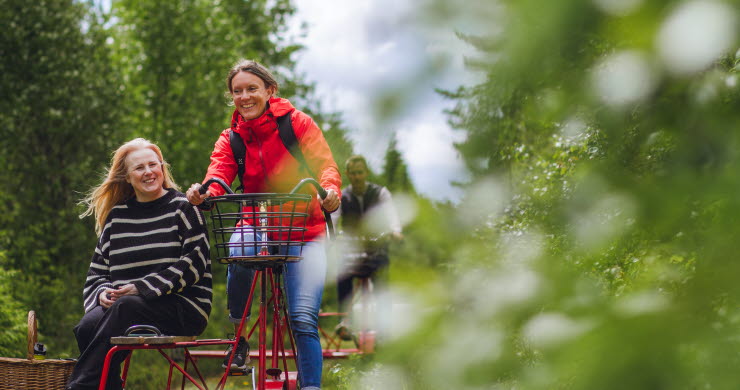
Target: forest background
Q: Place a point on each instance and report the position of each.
(595, 246)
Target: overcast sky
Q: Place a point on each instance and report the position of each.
(358, 50)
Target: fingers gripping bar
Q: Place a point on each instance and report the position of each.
(322, 193)
(213, 180)
(314, 183)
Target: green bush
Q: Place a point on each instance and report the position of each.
(13, 318)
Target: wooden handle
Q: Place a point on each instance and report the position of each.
(32, 336)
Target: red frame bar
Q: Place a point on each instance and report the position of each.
(280, 319)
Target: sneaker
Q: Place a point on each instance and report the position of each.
(343, 332)
(241, 358)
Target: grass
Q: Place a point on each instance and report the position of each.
(338, 375)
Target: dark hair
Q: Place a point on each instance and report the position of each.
(254, 68)
(355, 159)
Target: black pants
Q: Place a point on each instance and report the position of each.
(375, 267)
(170, 314)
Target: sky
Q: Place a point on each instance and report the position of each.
(358, 51)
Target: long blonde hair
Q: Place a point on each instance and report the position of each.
(114, 189)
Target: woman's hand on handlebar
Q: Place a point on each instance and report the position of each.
(331, 202)
(194, 196)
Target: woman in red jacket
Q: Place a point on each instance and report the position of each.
(269, 167)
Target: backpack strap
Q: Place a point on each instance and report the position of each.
(240, 151)
(287, 135)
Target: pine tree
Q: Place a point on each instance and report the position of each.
(395, 172)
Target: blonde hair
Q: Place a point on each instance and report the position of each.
(114, 189)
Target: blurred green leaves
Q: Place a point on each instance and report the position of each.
(595, 248)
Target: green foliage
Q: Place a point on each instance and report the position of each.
(58, 116)
(13, 328)
(594, 246)
(343, 375)
(174, 57)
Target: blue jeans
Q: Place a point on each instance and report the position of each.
(304, 284)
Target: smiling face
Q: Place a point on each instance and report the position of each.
(144, 173)
(250, 95)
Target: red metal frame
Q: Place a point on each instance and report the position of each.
(186, 345)
(280, 327)
(365, 336)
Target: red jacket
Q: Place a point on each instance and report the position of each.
(269, 167)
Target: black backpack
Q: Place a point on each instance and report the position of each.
(287, 135)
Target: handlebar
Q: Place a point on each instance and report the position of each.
(142, 330)
(213, 180)
(322, 192)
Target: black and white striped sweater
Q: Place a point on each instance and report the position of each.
(160, 246)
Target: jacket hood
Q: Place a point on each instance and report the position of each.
(276, 107)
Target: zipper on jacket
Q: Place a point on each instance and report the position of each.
(259, 150)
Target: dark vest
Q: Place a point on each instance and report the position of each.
(352, 213)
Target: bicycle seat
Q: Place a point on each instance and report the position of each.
(147, 334)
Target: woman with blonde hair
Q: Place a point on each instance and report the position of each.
(151, 265)
(115, 189)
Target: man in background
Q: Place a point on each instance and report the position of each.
(370, 221)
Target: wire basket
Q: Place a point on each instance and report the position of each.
(30, 374)
(259, 228)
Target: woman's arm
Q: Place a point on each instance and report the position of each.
(98, 281)
(319, 157)
(389, 212)
(222, 166)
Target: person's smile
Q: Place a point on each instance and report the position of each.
(250, 95)
(145, 174)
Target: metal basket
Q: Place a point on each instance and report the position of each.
(270, 227)
(30, 374)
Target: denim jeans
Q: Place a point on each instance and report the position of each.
(304, 284)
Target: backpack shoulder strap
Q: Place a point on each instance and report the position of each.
(239, 150)
(287, 135)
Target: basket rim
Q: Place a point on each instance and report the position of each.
(261, 196)
(37, 362)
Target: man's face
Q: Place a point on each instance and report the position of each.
(357, 173)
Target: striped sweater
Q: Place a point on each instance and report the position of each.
(160, 246)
